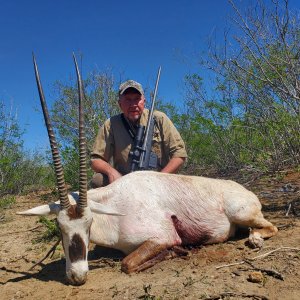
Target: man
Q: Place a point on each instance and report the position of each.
(110, 157)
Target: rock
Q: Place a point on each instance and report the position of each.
(286, 188)
(236, 273)
(256, 277)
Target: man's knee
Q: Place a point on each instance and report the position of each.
(99, 180)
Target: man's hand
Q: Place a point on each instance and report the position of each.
(113, 175)
(101, 166)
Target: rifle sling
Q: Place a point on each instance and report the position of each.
(128, 127)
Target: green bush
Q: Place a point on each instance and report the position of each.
(19, 170)
(7, 202)
(51, 232)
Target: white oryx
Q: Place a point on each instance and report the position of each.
(145, 213)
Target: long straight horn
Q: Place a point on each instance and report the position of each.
(82, 145)
(63, 196)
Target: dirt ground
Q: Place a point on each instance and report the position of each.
(197, 276)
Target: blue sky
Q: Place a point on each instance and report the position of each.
(131, 37)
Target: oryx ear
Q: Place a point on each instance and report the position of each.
(102, 209)
(52, 208)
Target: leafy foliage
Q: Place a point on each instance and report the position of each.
(7, 202)
(100, 103)
(19, 171)
(51, 230)
(252, 117)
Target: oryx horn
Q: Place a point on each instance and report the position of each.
(63, 196)
(82, 144)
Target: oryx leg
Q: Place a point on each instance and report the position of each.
(145, 256)
(260, 227)
(259, 224)
(265, 228)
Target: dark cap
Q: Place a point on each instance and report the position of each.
(130, 84)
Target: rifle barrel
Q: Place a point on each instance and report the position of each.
(150, 114)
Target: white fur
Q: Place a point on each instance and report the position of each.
(76, 271)
(139, 207)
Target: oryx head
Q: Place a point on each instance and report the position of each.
(74, 218)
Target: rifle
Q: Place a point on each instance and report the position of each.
(142, 156)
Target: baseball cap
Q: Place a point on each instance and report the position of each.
(130, 84)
